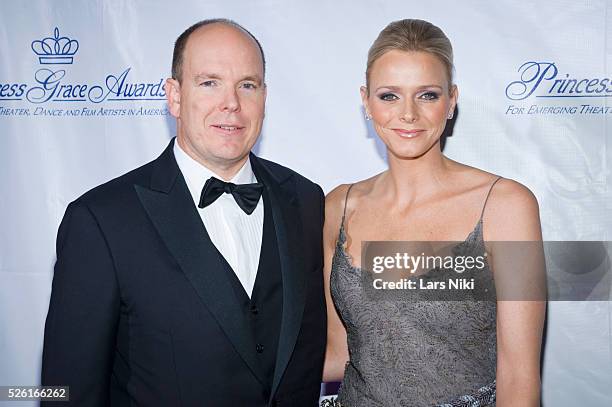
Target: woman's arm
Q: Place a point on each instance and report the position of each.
(336, 354)
(513, 216)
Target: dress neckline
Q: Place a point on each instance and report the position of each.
(472, 236)
(476, 232)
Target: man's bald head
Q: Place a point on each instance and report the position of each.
(181, 43)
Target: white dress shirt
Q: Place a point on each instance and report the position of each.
(236, 235)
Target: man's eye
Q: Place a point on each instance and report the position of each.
(249, 85)
(388, 97)
(208, 83)
(430, 96)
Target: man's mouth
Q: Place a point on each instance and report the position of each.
(228, 128)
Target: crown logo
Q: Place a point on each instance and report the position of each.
(55, 50)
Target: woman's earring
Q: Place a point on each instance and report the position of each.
(367, 116)
(450, 115)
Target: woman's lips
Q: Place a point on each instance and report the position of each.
(408, 133)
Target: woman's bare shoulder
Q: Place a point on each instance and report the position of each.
(340, 200)
(510, 195)
(334, 207)
(337, 197)
(512, 212)
(506, 195)
(472, 177)
(334, 204)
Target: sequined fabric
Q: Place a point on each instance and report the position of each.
(414, 353)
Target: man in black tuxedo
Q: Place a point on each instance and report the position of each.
(195, 280)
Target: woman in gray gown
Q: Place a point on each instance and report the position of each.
(423, 353)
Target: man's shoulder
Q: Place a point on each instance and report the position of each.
(284, 173)
(119, 190)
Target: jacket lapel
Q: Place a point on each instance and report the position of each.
(288, 225)
(171, 209)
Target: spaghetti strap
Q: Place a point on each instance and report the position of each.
(342, 235)
(345, 202)
(487, 198)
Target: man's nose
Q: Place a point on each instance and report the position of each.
(230, 101)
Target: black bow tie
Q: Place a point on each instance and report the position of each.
(245, 195)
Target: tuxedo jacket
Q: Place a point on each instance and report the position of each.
(144, 312)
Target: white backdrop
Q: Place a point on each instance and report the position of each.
(57, 142)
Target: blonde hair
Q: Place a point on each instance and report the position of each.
(412, 35)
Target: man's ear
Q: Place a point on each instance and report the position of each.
(265, 90)
(172, 88)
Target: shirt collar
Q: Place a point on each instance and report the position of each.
(196, 174)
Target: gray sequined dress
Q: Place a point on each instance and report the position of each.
(414, 353)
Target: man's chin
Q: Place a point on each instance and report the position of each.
(233, 152)
(231, 159)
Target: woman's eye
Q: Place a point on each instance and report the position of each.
(388, 97)
(429, 96)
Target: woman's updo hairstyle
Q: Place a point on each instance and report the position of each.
(412, 35)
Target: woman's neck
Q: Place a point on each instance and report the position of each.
(409, 180)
